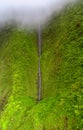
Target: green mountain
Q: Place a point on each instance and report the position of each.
(62, 75)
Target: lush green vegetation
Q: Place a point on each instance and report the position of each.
(62, 81)
(18, 75)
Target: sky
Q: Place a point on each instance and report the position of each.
(29, 12)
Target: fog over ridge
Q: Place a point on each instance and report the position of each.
(29, 12)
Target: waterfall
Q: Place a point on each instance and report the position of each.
(39, 63)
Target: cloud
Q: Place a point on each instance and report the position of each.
(29, 12)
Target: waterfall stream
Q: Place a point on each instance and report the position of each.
(39, 63)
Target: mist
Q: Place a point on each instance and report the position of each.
(30, 13)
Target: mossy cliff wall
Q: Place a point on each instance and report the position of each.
(62, 67)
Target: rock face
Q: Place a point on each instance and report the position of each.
(61, 66)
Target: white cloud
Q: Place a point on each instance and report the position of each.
(29, 12)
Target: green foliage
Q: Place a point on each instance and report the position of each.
(62, 51)
(14, 112)
(18, 63)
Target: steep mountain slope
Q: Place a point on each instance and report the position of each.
(62, 52)
(62, 86)
(18, 74)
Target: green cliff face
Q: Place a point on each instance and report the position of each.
(18, 75)
(62, 81)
